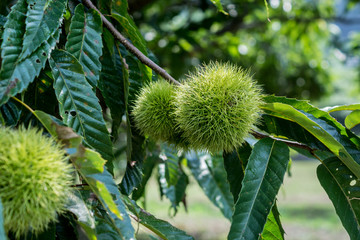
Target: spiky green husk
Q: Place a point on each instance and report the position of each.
(217, 107)
(154, 111)
(35, 180)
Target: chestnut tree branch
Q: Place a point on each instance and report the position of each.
(145, 60)
(131, 48)
(287, 142)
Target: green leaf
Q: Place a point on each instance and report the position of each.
(235, 163)
(91, 167)
(210, 174)
(161, 228)
(219, 6)
(132, 31)
(342, 188)
(324, 133)
(120, 14)
(77, 206)
(16, 75)
(11, 113)
(79, 106)
(169, 155)
(264, 175)
(148, 166)
(350, 107)
(85, 43)
(175, 193)
(111, 85)
(337, 130)
(65, 134)
(273, 229)
(133, 174)
(2, 230)
(352, 119)
(43, 19)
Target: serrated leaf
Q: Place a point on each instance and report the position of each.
(104, 228)
(120, 14)
(85, 43)
(133, 174)
(175, 193)
(132, 31)
(352, 119)
(91, 167)
(78, 104)
(148, 167)
(11, 113)
(2, 230)
(64, 134)
(111, 85)
(171, 160)
(43, 19)
(161, 228)
(210, 174)
(85, 219)
(342, 188)
(16, 75)
(264, 175)
(325, 133)
(304, 106)
(273, 229)
(235, 163)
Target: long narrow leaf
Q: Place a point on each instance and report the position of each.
(352, 119)
(148, 167)
(311, 124)
(235, 163)
(91, 167)
(264, 175)
(213, 182)
(273, 229)
(77, 206)
(160, 227)
(79, 106)
(16, 75)
(119, 12)
(85, 43)
(175, 191)
(42, 21)
(11, 113)
(133, 174)
(343, 190)
(111, 84)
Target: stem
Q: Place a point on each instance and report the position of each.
(131, 48)
(24, 104)
(145, 60)
(287, 142)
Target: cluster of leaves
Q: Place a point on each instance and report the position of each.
(81, 84)
(294, 50)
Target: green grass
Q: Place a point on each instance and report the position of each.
(306, 211)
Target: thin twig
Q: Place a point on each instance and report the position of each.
(287, 142)
(145, 60)
(131, 48)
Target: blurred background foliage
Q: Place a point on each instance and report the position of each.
(306, 49)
